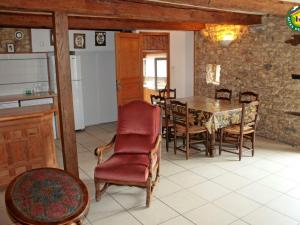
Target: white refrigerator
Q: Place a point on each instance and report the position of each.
(76, 77)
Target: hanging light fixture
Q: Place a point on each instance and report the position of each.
(224, 34)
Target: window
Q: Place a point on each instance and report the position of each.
(155, 71)
(213, 74)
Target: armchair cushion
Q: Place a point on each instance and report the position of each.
(131, 168)
(133, 143)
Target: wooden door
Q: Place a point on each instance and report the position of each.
(129, 67)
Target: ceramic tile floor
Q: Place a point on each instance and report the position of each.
(263, 190)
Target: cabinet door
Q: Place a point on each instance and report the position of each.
(4, 173)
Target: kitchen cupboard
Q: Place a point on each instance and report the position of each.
(26, 140)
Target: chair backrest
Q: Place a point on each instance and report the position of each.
(248, 96)
(139, 117)
(156, 99)
(180, 114)
(223, 94)
(164, 93)
(162, 103)
(249, 115)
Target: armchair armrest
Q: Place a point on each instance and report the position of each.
(156, 146)
(99, 150)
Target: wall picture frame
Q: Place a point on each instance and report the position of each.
(79, 41)
(100, 38)
(10, 48)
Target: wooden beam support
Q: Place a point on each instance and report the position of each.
(22, 20)
(130, 10)
(64, 88)
(258, 7)
(93, 23)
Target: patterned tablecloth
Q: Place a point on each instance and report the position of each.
(46, 195)
(214, 113)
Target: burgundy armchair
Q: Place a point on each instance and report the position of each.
(136, 155)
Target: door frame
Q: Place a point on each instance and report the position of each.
(165, 50)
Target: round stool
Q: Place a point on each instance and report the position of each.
(47, 196)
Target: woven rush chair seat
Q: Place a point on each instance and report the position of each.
(192, 129)
(235, 129)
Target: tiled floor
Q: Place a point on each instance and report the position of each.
(264, 190)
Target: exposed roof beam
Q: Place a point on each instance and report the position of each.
(130, 10)
(22, 20)
(257, 7)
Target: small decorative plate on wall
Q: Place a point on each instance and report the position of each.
(19, 35)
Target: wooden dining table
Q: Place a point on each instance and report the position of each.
(214, 114)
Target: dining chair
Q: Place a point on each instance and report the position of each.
(164, 93)
(223, 94)
(136, 157)
(167, 122)
(248, 96)
(187, 128)
(235, 136)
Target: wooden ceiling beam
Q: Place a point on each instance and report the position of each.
(258, 7)
(21, 20)
(130, 10)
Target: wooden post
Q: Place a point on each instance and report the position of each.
(64, 89)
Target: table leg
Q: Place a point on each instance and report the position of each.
(212, 143)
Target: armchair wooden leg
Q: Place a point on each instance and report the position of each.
(157, 172)
(149, 191)
(99, 191)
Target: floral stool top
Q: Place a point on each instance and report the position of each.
(46, 196)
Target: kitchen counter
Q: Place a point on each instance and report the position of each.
(24, 97)
(26, 112)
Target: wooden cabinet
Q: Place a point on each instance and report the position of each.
(26, 140)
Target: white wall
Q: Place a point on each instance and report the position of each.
(41, 41)
(181, 61)
(98, 73)
(189, 43)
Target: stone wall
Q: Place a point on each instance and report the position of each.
(7, 36)
(261, 62)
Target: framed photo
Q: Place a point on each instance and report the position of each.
(100, 38)
(51, 38)
(10, 48)
(79, 41)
